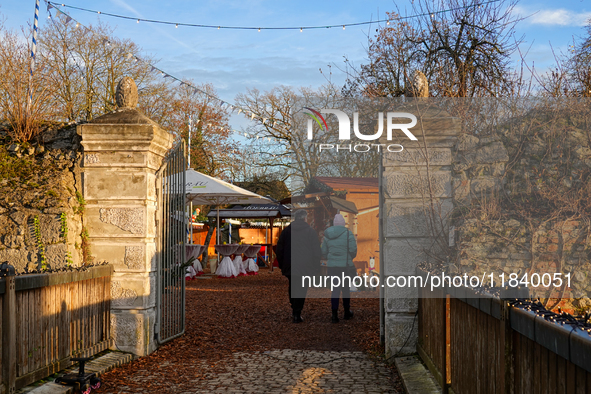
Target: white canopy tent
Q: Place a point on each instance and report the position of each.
(202, 189)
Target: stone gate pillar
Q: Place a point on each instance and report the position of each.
(122, 152)
(413, 181)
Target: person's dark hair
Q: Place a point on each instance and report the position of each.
(300, 214)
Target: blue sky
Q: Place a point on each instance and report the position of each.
(236, 60)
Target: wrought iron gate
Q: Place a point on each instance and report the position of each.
(171, 227)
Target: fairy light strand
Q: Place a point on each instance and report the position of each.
(248, 114)
(259, 28)
(234, 108)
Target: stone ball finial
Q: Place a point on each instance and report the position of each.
(126, 94)
(419, 87)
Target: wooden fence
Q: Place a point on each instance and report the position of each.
(482, 345)
(58, 316)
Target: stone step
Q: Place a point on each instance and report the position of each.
(416, 378)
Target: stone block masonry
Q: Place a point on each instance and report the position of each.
(414, 180)
(122, 152)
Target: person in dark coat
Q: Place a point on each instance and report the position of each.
(298, 254)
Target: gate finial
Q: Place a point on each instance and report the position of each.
(126, 94)
(419, 86)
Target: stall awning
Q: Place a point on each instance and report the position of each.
(255, 211)
(343, 205)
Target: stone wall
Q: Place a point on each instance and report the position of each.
(478, 168)
(507, 196)
(42, 182)
(509, 246)
(521, 198)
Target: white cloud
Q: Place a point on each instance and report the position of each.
(554, 17)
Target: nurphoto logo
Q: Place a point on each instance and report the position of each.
(345, 129)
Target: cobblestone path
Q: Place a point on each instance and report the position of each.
(299, 371)
(240, 339)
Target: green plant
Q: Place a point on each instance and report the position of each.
(12, 167)
(69, 260)
(52, 193)
(64, 234)
(64, 226)
(81, 204)
(86, 253)
(40, 244)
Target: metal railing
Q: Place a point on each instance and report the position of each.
(171, 245)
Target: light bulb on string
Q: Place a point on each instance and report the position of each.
(260, 28)
(176, 26)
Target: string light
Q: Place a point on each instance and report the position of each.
(195, 89)
(176, 26)
(301, 28)
(233, 107)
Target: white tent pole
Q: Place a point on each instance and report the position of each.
(217, 233)
(189, 155)
(191, 220)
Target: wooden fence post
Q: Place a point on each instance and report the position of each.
(507, 359)
(446, 372)
(9, 329)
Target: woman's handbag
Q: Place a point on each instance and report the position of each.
(349, 270)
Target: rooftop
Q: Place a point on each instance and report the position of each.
(350, 184)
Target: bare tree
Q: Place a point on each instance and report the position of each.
(24, 96)
(282, 143)
(75, 79)
(87, 63)
(571, 76)
(462, 46)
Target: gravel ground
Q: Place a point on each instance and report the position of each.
(239, 338)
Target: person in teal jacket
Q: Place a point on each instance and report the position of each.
(339, 247)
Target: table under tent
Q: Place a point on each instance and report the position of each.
(201, 189)
(271, 212)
